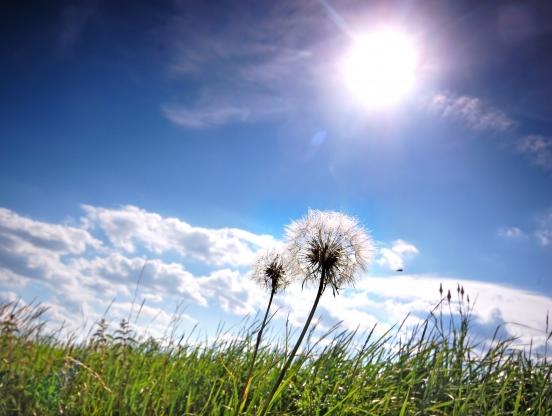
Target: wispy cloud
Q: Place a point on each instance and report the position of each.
(73, 20)
(479, 116)
(544, 230)
(511, 232)
(245, 71)
(201, 117)
(472, 111)
(211, 110)
(541, 232)
(538, 148)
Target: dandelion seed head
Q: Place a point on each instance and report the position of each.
(271, 270)
(329, 242)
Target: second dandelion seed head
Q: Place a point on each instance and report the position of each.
(271, 270)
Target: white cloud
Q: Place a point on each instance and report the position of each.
(235, 293)
(394, 257)
(9, 297)
(390, 259)
(35, 251)
(544, 230)
(79, 282)
(56, 238)
(402, 247)
(471, 111)
(386, 301)
(542, 233)
(149, 321)
(419, 293)
(78, 275)
(511, 232)
(129, 225)
(538, 148)
(114, 272)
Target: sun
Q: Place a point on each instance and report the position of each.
(380, 68)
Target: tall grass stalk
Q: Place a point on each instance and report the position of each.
(293, 352)
(248, 378)
(271, 272)
(439, 368)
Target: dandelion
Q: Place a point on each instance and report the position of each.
(270, 271)
(326, 248)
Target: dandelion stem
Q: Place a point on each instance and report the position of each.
(286, 366)
(245, 390)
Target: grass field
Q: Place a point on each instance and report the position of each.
(435, 370)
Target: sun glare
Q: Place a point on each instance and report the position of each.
(380, 68)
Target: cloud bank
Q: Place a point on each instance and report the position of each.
(78, 270)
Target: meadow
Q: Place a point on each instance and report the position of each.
(423, 367)
(437, 368)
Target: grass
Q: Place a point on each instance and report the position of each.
(436, 369)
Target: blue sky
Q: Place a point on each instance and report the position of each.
(186, 136)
